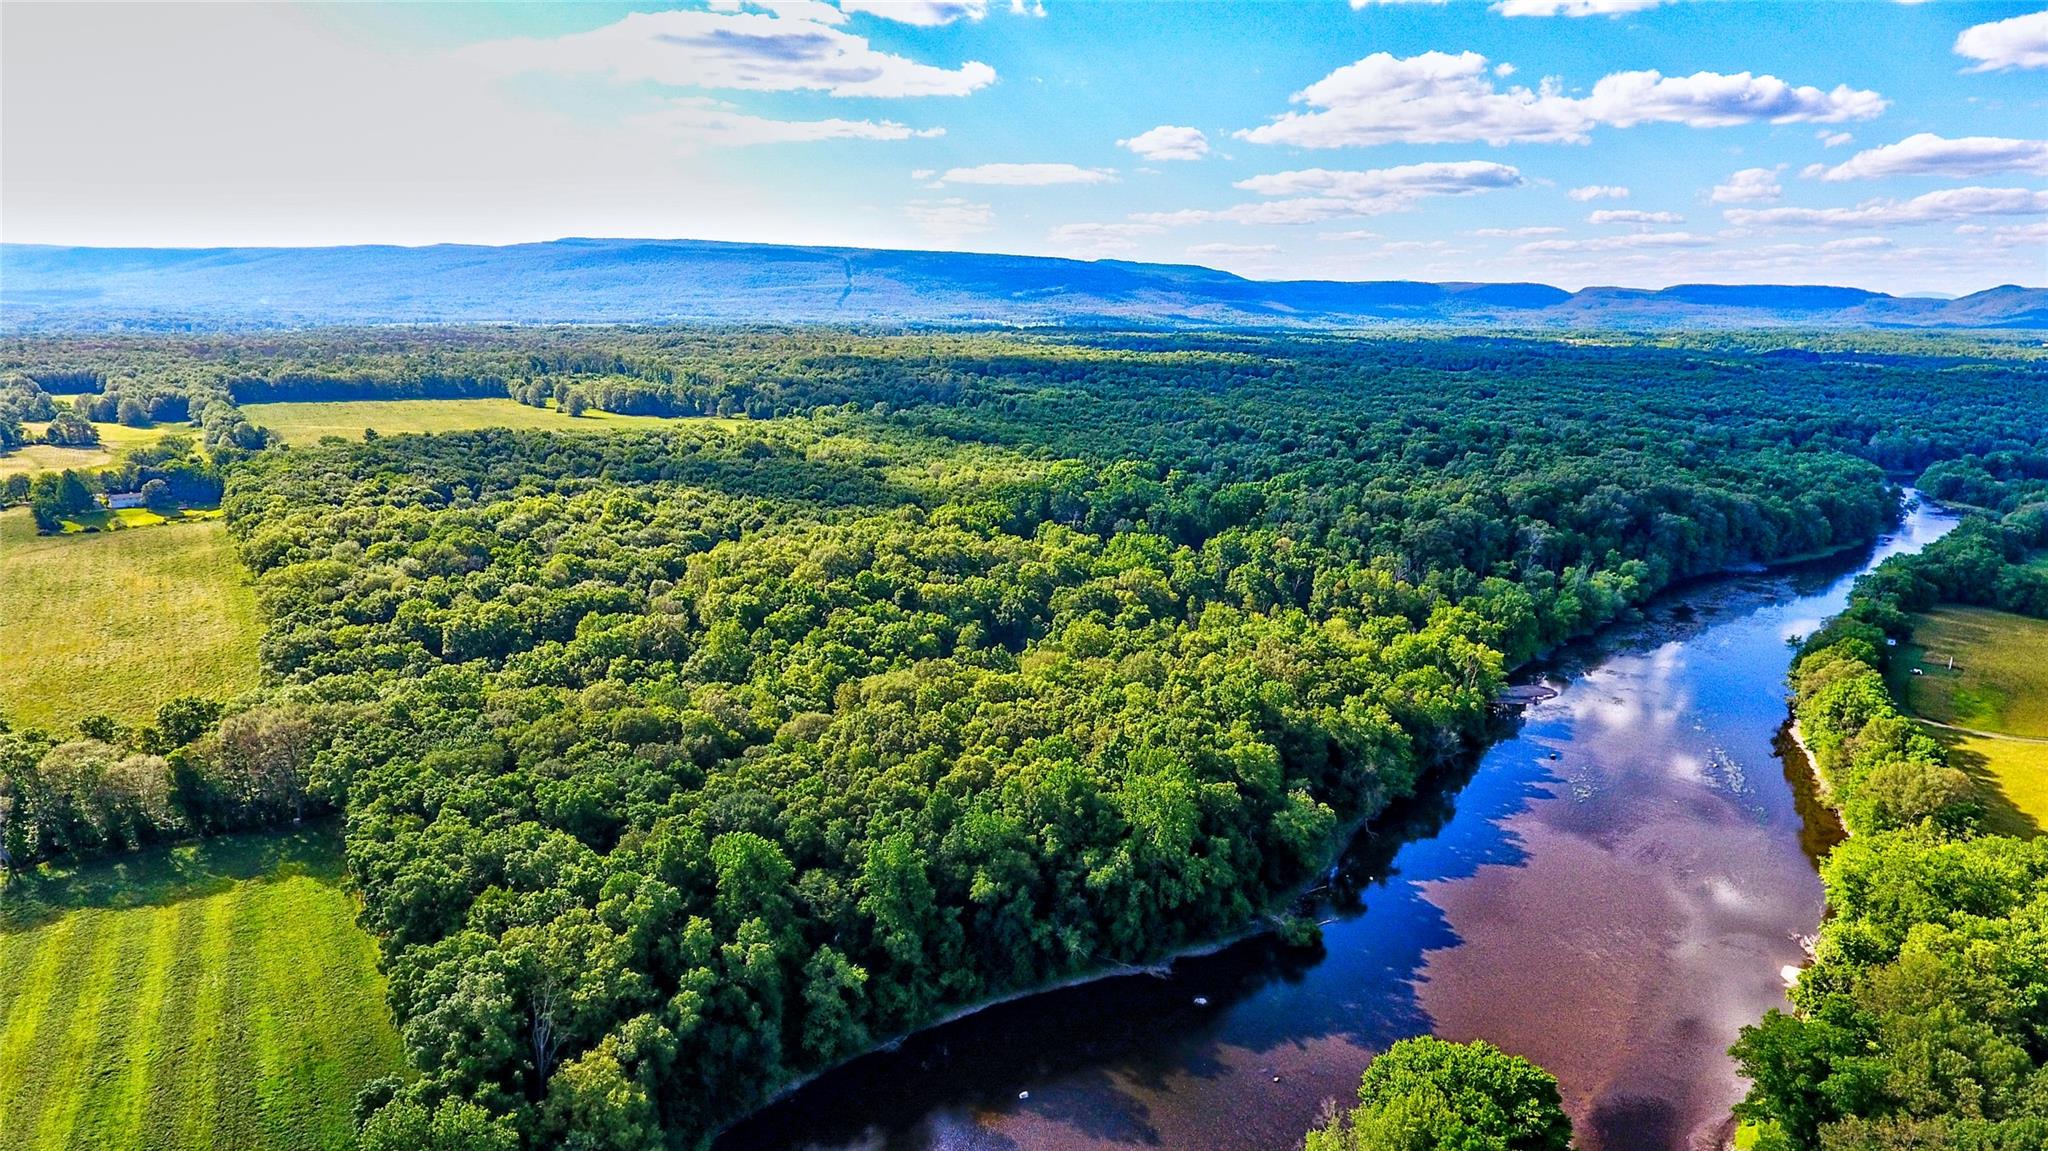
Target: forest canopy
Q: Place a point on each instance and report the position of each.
(679, 764)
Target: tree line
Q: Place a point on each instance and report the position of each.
(1922, 1021)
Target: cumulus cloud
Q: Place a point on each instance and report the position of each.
(1832, 139)
(1749, 186)
(1945, 206)
(1438, 98)
(1631, 216)
(1315, 195)
(1517, 233)
(1167, 142)
(746, 50)
(1028, 175)
(1628, 242)
(2020, 42)
(1598, 192)
(951, 218)
(1573, 7)
(715, 124)
(1927, 154)
(1232, 249)
(1351, 236)
(923, 13)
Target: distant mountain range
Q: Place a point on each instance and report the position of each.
(629, 281)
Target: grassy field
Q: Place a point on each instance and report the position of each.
(2000, 682)
(119, 622)
(306, 423)
(215, 996)
(1999, 685)
(113, 438)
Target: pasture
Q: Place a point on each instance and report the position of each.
(116, 623)
(305, 423)
(114, 438)
(2000, 686)
(2000, 682)
(208, 996)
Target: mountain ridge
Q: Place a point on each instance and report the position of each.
(594, 280)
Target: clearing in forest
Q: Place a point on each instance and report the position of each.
(1999, 685)
(208, 996)
(305, 423)
(115, 623)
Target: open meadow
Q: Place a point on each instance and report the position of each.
(1999, 686)
(209, 996)
(305, 423)
(33, 458)
(117, 622)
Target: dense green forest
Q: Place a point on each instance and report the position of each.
(1923, 1021)
(681, 764)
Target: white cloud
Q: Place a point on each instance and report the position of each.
(1315, 195)
(1437, 98)
(1933, 208)
(1167, 142)
(1232, 249)
(923, 13)
(2021, 235)
(1350, 236)
(1028, 175)
(732, 50)
(1626, 242)
(1832, 139)
(712, 123)
(2021, 42)
(1021, 8)
(1456, 178)
(951, 218)
(1573, 7)
(1598, 192)
(1927, 154)
(1517, 233)
(1102, 238)
(1749, 186)
(1631, 216)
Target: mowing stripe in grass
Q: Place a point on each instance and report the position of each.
(124, 1118)
(170, 1081)
(91, 1065)
(198, 1117)
(54, 1031)
(38, 985)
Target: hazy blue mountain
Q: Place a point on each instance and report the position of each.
(614, 281)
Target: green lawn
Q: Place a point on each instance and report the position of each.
(304, 423)
(214, 996)
(118, 622)
(1999, 684)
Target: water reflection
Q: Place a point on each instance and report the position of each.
(1611, 889)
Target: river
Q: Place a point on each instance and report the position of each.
(1612, 889)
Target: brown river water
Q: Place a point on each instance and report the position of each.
(1612, 889)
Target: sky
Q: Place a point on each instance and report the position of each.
(1900, 146)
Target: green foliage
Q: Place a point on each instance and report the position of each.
(1922, 1022)
(1426, 1094)
(679, 763)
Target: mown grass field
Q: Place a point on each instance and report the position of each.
(113, 438)
(305, 423)
(118, 622)
(1999, 685)
(216, 996)
(2000, 682)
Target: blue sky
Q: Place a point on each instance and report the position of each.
(1899, 146)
